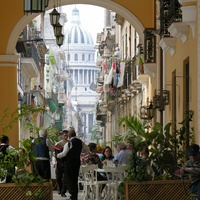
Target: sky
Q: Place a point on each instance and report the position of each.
(92, 17)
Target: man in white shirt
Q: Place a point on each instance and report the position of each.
(60, 163)
(71, 155)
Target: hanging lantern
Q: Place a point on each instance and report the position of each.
(54, 17)
(57, 29)
(35, 6)
(147, 112)
(59, 39)
(150, 110)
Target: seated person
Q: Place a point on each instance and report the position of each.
(107, 155)
(192, 167)
(122, 157)
(91, 157)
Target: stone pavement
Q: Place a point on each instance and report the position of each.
(56, 196)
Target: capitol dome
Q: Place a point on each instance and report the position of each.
(75, 33)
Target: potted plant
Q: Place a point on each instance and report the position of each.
(154, 175)
(140, 63)
(24, 183)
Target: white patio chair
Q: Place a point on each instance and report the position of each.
(115, 176)
(91, 186)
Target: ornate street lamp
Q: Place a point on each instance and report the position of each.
(35, 6)
(54, 17)
(150, 110)
(147, 112)
(59, 39)
(57, 29)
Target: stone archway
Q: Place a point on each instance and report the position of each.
(105, 3)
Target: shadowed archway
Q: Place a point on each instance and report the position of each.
(106, 4)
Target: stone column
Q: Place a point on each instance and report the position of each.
(74, 72)
(83, 81)
(92, 75)
(9, 92)
(87, 124)
(78, 76)
(87, 81)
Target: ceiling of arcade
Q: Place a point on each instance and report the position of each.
(134, 11)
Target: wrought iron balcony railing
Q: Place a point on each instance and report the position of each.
(149, 46)
(169, 12)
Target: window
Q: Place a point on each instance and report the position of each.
(83, 57)
(76, 57)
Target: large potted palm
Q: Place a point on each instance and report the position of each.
(154, 177)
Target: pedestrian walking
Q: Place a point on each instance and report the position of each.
(71, 155)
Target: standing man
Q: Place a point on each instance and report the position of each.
(71, 154)
(42, 146)
(60, 163)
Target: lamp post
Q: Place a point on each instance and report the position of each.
(35, 6)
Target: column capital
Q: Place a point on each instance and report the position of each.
(8, 60)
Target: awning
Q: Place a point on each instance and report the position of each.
(52, 105)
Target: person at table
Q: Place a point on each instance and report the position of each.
(192, 167)
(71, 156)
(60, 163)
(129, 148)
(122, 156)
(91, 157)
(107, 155)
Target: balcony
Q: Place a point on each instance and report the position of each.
(63, 75)
(62, 98)
(31, 53)
(52, 100)
(34, 98)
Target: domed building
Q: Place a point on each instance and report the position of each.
(80, 57)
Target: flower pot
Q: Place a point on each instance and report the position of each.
(33, 191)
(156, 190)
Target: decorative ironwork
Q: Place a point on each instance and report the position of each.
(147, 112)
(160, 99)
(149, 46)
(169, 12)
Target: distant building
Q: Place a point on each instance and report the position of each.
(80, 57)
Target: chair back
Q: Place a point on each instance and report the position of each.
(115, 174)
(88, 172)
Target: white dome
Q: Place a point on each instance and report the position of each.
(75, 33)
